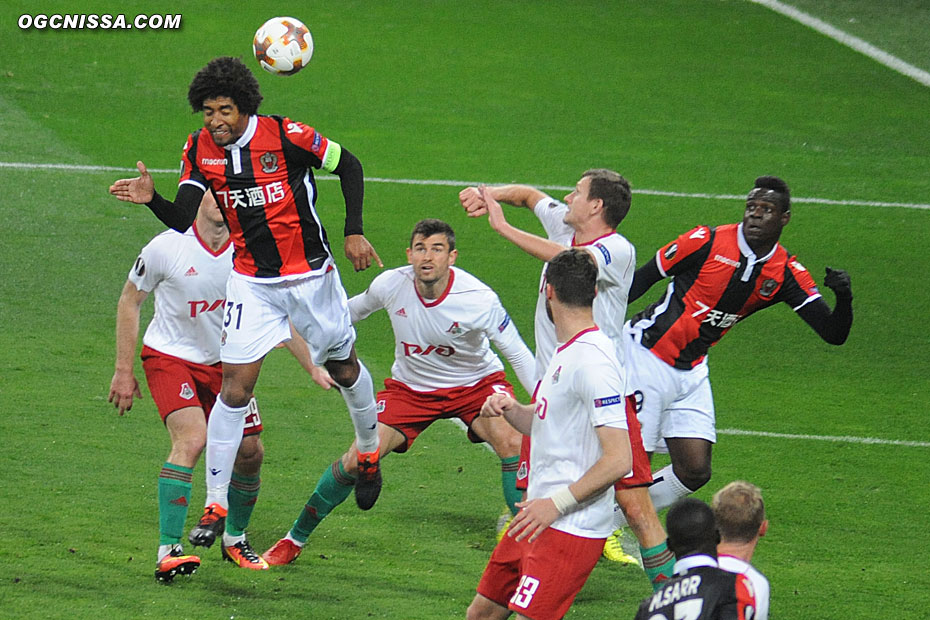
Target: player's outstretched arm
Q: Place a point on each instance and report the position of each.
(124, 386)
(139, 190)
(831, 325)
(514, 195)
(534, 245)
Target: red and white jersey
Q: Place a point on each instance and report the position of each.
(265, 187)
(758, 581)
(189, 282)
(582, 388)
(616, 262)
(445, 342)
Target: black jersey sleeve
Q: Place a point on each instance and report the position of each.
(181, 213)
(352, 179)
(644, 278)
(833, 326)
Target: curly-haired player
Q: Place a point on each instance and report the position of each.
(259, 168)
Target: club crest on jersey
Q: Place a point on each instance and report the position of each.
(768, 287)
(455, 329)
(670, 252)
(380, 406)
(186, 392)
(555, 375)
(269, 162)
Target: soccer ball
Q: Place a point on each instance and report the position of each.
(283, 45)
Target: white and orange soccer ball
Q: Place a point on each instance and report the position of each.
(283, 45)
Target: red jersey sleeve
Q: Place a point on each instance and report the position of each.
(189, 171)
(672, 255)
(745, 598)
(309, 139)
(799, 287)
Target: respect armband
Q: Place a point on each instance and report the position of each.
(564, 500)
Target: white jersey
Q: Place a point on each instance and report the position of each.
(760, 584)
(616, 262)
(445, 342)
(189, 282)
(582, 388)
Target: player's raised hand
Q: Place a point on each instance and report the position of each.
(139, 190)
(472, 201)
(495, 213)
(839, 282)
(360, 252)
(123, 388)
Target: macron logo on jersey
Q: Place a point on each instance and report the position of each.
(607, 401)
(604, 252)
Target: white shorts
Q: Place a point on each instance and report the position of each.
(670, 402)
(256, 314)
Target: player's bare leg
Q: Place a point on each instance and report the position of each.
(689, 471)
(640, 514)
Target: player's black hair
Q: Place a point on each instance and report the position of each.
(614, 190)
(573, 275)
(783, 194)
(430, 227)
(691, 528)
(225, 77)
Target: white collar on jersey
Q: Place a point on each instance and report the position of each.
(751, 258)
(688, 562)
(246, 136)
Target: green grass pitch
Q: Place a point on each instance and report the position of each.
(682, 96)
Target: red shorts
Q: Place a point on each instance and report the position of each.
(411, 412)
(540, 579)
(176, 384)
(641, 474)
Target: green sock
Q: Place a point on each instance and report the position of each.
(332, 489)
(512, 494)
(242, 495)
(174, 494)
(658, 563)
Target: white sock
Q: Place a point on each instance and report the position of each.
(360, 399)
(229, 541)
(619, 518)
(668, 489)
(224, 434)
(164, 550)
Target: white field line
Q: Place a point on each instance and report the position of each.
(831, 438)
(453, 183)
(855, 43)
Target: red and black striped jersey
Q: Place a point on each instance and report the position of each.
(716, 282)
(265, 187)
